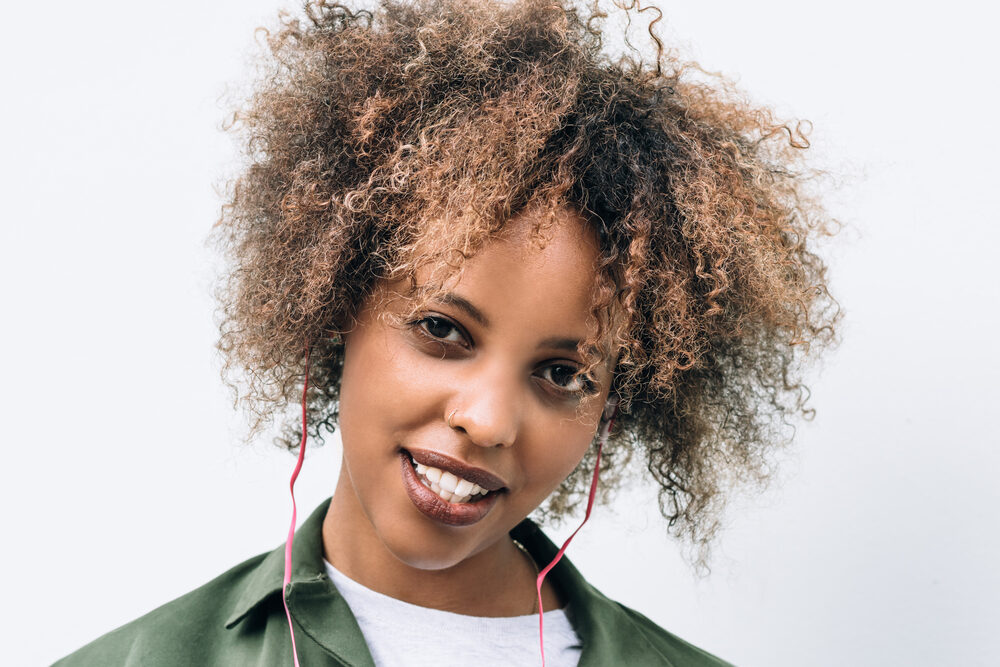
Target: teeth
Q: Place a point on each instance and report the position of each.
(448, 482)
(446, 485)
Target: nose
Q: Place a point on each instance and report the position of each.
(487, 409)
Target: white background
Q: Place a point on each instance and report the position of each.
(123, 481)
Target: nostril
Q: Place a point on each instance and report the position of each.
(485, 430)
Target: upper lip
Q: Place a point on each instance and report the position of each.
(483, 478)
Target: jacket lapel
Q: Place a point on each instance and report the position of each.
(316, 606)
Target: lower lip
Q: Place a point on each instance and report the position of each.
(431, 505)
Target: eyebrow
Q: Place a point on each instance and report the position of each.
(452, 299)
(565, 344)
(470, 310)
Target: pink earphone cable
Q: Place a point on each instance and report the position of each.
(291, 529)
(603, 440)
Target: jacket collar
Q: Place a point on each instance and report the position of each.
(608, 633)
(267, 577)
(312, 598)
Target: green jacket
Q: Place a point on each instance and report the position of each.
(238, 618)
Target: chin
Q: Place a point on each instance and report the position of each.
(427, 549)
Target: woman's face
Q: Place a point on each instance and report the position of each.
(478, 386)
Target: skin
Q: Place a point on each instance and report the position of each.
(515, 415)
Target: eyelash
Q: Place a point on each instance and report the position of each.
(588, 384)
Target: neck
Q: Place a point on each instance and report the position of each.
(495, 580)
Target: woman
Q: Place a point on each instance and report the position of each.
(501, 263)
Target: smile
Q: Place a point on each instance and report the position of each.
(449, 488)
(446, 490)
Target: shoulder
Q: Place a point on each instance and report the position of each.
(615, 634)
(179, 632)
(611, 632)
(679, 652)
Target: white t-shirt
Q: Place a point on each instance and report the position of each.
(400, 634)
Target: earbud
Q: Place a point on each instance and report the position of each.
(610, 408)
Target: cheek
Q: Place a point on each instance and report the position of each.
(559, 444)
(365, 402)
(556, 456)
(387, 386)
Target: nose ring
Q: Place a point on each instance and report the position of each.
(452, 414)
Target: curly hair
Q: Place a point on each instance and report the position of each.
(377, 142)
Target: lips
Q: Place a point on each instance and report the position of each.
(432, 505)
(485, 479)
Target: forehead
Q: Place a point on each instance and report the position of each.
(542, 263)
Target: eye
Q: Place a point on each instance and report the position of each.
(441, 330)
(566, 379)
